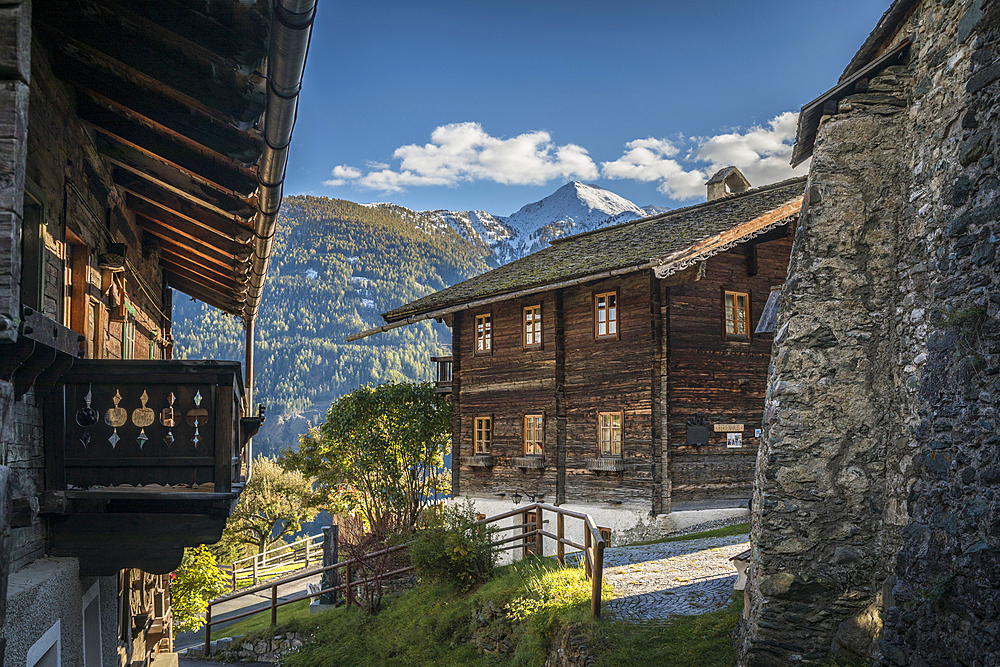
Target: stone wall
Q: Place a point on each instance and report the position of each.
(874, 509)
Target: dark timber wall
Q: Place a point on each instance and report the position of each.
(670, 362)
(723, 380)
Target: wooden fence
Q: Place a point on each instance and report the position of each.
(303, 552)
(530, 539)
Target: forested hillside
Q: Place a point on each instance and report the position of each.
(335, 267)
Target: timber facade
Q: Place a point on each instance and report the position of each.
(133, 163)
(646, 404)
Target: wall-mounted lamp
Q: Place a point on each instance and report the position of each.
(518, 496)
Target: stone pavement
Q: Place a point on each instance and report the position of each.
(654, 582)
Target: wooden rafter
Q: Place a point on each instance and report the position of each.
(103, 84)
(200, 217)
(133, 57)
(226, 276)
(169, 177)
(182, 240)
(219, 284)
(212, 298)
(222, 173)
(202, 255)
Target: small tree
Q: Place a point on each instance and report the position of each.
(379, 452)
(192, 585)
(274, 503)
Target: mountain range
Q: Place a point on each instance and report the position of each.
(574, 208)
(336, 265)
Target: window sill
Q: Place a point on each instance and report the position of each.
(478, 461)
(536, 462)
(605, 464)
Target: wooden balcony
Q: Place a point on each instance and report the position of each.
(442, 374)
(143, 458)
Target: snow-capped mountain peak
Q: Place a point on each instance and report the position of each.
(574, 208)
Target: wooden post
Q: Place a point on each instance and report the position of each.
(595, 596)
(524, 529)
(274, 605)
(307, 551)
(234, 578)
(586, 550)
(561, 548)
(255, 570)
(348, 589)
(208, 629)
(539, 545)
(331, 540)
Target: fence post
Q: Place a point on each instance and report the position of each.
(308, 539)
(539, 544)
(524, 529)
(561, 548)
(595, 596)
(586, 550)
(348, 589)
(331, 542)
(274, 605)
(255, 570)
(234, 578)
(208, 629)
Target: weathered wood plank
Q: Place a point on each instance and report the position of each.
(15, 41)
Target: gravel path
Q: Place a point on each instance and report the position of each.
(654, 582)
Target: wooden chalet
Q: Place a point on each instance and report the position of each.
(142, 152)
(621, 371)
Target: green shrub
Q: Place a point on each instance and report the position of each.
(454, 548)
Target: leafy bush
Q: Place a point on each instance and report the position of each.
(192, 585)
(454, 548)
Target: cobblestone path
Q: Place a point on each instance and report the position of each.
(653, 582)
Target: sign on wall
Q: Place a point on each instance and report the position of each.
(726, 428)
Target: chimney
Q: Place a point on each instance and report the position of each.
(727, 181)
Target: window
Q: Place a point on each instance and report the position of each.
(128, 337)
(534, 435)
(532, 329)
(484, 334)
(609, 433)
(737, 310)
(484, 434)
(606, 315)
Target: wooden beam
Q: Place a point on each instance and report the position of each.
(155, 68)
(186, 227)
(186, 243)
(196, 291)
(169, 178)
(247, 52)
(203, 256)
(226, 226)
(198, 36)
(127, 129)
(110, 89)
(222, 283)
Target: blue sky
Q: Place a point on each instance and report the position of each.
(492, 105)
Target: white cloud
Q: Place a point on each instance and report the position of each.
(464, 152)
(761, 153)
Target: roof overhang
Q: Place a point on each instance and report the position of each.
(811, 114)
(175, 94)
(727, 240)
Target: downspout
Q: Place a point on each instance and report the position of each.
(286, 60)
(290, 32)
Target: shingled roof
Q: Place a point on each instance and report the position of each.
(646, 243)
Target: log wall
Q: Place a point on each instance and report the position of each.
(723, 380)
(669, 362)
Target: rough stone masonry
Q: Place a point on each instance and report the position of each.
(876, 524)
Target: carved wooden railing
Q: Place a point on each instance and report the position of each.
(179, 424)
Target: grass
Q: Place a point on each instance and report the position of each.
(738, 529)
(295, 614)
(527, 602)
